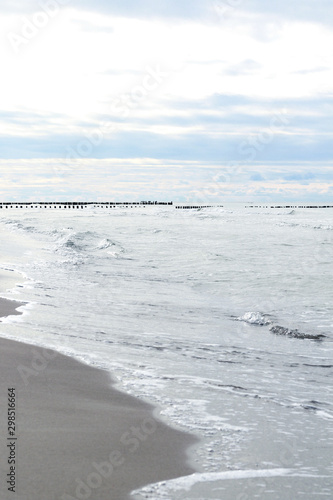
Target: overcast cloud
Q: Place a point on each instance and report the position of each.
(237, 94)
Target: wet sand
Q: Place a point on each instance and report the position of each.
(77, 436)
(8, 307)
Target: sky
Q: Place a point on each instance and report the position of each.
(184, 100)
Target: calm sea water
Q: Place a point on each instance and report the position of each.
(221, 317)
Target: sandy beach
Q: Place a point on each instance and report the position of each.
(76, 436)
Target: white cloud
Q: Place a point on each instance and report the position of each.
(91, 69)
(135, 179)
(67, 68)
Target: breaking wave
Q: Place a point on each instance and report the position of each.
(105, 243)
(260, 319)
(255, 318)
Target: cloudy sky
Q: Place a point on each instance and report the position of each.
(204, 100)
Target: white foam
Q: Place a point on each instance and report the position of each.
(324, 414)
(19, 318)
(254, 318)
(185, 483)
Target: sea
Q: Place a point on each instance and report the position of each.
(221, 317)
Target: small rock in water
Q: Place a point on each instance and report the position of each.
(280, 330)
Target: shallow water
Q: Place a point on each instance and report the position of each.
(184, 307)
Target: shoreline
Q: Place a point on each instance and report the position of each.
(9, 307)
(9, 279)
(78, 436)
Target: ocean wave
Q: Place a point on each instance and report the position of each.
(105, 243)
(114, 249)
(255, 318)
(75, 241)
(67, 243)
(324, 227)
(166, 489)
(17, 225)
(261, 319)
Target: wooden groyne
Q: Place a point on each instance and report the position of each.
(80, 205)
(189, 207)
(289, 206)
(77, 205)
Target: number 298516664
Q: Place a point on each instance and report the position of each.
(11, 412)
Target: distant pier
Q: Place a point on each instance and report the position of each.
(81, 205)
(186, 207)
(77, 205)
(289, 206)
